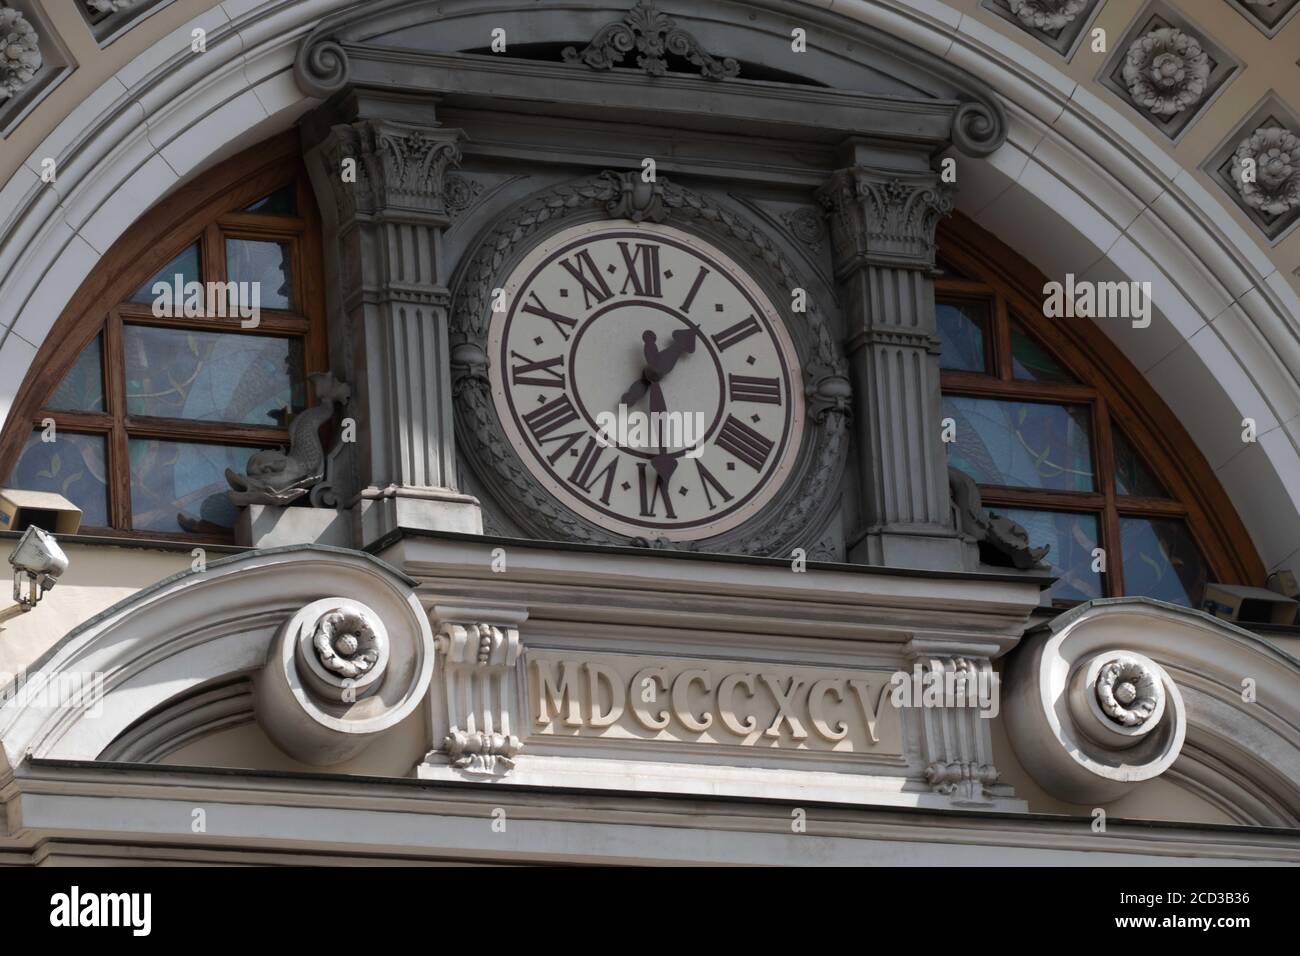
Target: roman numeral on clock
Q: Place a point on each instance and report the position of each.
(583, 476)
(642, 270)
(547, 419)
(542, 374)
(743, 443)
(708, 481)
(533, 305)
(695, 289)
(736, 333)
(588, 275)
(649, 498)
(750, 388)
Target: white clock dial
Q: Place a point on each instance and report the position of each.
(645, 380)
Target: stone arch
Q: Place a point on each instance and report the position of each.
(163, 650)
(1072, 167)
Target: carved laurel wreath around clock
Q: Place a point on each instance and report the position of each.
(795, 513)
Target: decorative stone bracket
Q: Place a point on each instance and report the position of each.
(478, 712)
(960, 698)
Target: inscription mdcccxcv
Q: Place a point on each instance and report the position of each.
(744, 704)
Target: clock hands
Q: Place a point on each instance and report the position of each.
(659, 363)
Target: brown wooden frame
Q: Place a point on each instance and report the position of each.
(1113, 390)
(205, 210)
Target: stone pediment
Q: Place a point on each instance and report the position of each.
(775, 67)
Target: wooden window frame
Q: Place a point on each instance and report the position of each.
(1115, 394)
(207, 211)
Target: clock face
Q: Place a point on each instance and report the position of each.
(645, 380)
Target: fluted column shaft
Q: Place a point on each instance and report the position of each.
(883, 224)
(384, 179)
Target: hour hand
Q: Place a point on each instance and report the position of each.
(633, 394)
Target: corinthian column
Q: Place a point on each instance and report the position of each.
(882, 223)
(380, 179)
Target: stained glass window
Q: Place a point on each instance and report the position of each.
(282, 202)
(71, 465)
(162, 401)
(961, 334)
(1072, 538)
(1035, 404)
(212, 376)
(1025, 444)
(181, 487)
(265, 263)
(82, 389)
(1161, 560)
(183, 269)
(1031, 361)
(1132, 477)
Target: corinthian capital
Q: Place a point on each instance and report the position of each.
(395, 170)
(884, 218)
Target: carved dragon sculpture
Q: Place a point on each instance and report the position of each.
(993, 532)
(277, 477)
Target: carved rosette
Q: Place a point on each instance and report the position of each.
(1128, 692)
(477, 656)
(346, 644)
(887, 221)
(109, 6)
(1166, 71)
(20, 52)
(1047, 16)
(653, 35)
(1274, 155)
(787, 522)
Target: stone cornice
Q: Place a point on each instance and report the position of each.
(339, 53)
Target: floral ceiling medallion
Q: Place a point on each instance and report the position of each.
(1166, 71)
(654, 36)
(20, 52)
(1047, 15)
(1273, 153)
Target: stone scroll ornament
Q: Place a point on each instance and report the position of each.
(1047, 16)
(20, 52)
(279, 477)
(1274, 154)
(788, 521)
(1166, 71)
(654, 36)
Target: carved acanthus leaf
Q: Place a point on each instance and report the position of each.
(654, 35)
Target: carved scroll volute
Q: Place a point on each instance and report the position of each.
(339, 674)
(1091, 721)
(478, 652)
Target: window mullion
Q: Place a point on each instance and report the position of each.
(1104, 454)
(118, 451)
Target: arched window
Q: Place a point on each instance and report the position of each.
(1064, 437)
(164, 395)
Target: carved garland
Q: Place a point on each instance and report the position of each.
(622, 195)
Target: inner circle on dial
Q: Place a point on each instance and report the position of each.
(607, 356)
